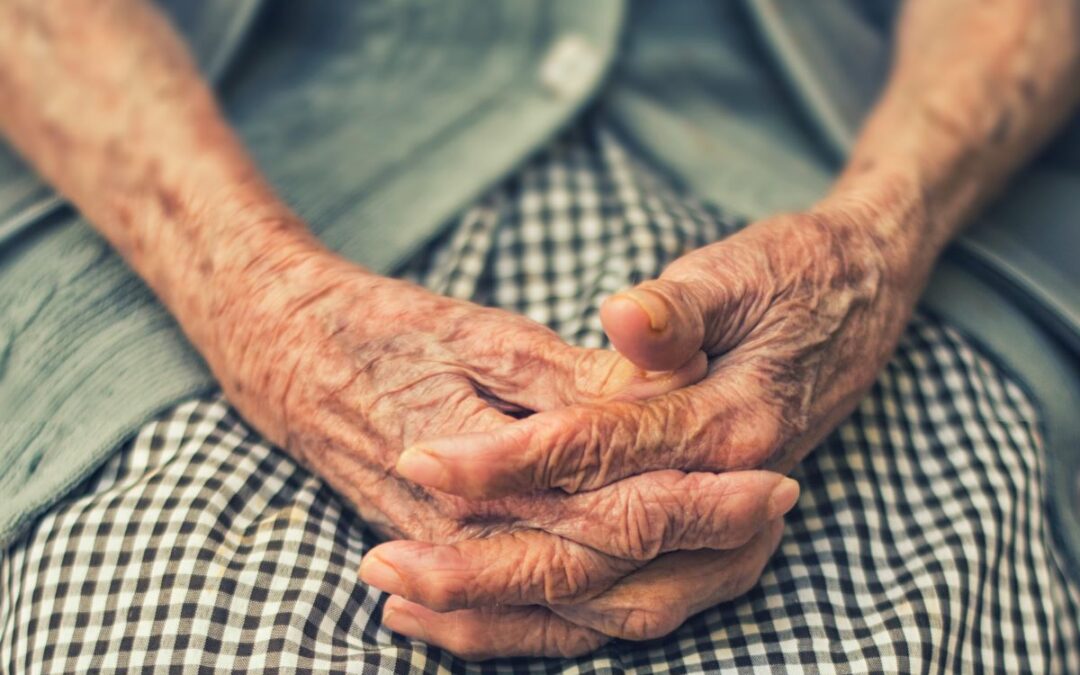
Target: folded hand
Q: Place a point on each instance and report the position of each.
(797, 314)
(344, 369)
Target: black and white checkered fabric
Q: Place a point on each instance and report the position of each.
(919, 545)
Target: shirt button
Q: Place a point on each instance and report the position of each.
(570, 66)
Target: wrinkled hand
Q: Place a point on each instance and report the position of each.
(344, 369)
(648, 603)
(797, 314)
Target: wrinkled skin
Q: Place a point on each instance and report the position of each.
(345, 369)
(647, 604)
(797, 315)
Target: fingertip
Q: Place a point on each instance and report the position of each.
(406, 618)
(622, 315)
(376, 571)
(784, 496)
(475, 466)
(643, 327)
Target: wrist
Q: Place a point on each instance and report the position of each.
(249, 321)
(235, 277)
(889, 213)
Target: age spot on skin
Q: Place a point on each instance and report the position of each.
(124, 216)
(169, 202)
(1028, 89)
(1000, 134)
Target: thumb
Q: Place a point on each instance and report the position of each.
(662, 323)
(658, 325)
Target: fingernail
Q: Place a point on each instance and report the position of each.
(419, 466)
(402, 621)
(783, 498)
(381, 575)
(654, 308)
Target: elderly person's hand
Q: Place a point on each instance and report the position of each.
(797, 314)
(344, 369)
(651, 601)
(339, 366)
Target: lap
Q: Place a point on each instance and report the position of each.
(919, 543)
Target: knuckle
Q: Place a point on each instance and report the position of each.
(647, 623)
(762, 436)
(646, 524)
(750, 430)
(455, 412)
(574, 453)
(560, 639)
(677, 424)
(719, 529)
(591, 446)
(445, 594)
(657, 423)
(636, 542)
(728, 510)
(567, 577)
(701, 510)
(568, 573)
(745, 579)
(766, 432)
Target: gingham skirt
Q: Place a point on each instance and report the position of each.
(920, 543)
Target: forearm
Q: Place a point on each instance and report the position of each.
(103, 99)
(976, 89)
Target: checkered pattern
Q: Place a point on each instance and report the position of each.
(920, 543)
